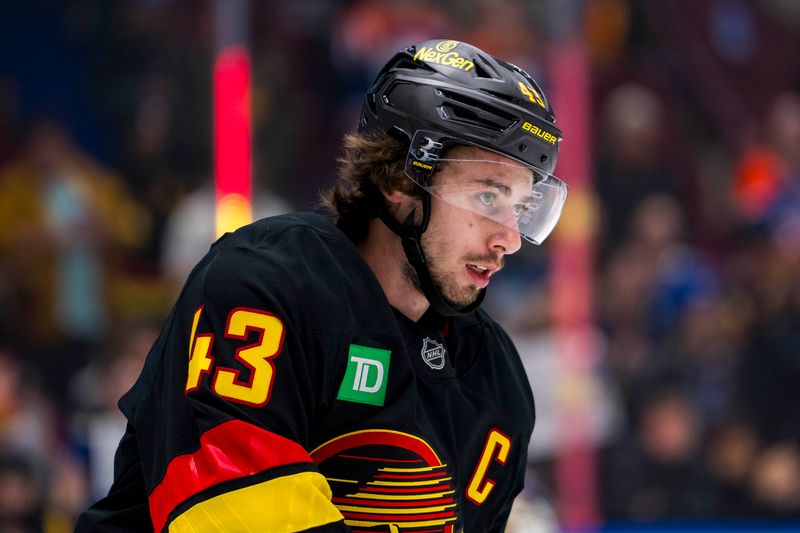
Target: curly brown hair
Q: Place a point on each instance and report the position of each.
(368, 166)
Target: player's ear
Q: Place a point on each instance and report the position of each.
(399, 203)
(395, 196)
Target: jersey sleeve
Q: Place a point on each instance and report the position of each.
(222, 410)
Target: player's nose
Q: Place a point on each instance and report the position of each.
(504, 238)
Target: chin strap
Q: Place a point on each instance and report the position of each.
(411, 237)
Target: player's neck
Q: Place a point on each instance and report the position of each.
(383, 252)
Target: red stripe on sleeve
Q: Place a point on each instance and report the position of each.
(231, 450)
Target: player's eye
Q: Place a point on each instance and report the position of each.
(487, 198)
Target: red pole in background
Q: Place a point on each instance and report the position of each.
(232, 127)
(572, 273)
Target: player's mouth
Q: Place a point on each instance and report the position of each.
(480, 273)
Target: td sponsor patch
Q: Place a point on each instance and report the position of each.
(366, 376)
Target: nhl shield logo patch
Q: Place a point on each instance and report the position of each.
(433, 353)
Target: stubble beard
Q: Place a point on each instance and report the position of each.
(457, 298)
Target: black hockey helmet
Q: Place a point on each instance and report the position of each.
(463, 96)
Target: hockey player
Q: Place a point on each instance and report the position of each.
(335, 373)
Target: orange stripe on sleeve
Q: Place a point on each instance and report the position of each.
(231, 450)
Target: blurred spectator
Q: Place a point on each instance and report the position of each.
(97, 424)
(766, 186)
(653, 281)
(623, 290)
(558, 388)
(776, 481)
(682, 275)
(191, 229)
(730, 452)
(27, 420)
(38, 496)
(150, 63)
(706, 349)
(147, 159)
(507, 29)
(66, 492)
(555, 385)
(631, 162)
(532, 515)
(770, 371)
(657, 472)
(607, 30)
(365, 32)
(67, 222)
(22, 494)
(767, 268)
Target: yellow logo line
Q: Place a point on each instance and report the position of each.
(410, 483)
(419, 469)
(420, 523)
(426, 496)
(393, 510)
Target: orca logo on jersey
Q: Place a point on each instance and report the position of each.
(433, 353)
(389, 481)
(366, 375)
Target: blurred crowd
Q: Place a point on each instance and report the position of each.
(106, 203)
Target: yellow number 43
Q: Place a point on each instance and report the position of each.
(532, 94)
(256, 357)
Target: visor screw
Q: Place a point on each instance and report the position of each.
(523, 147)
(543, 158)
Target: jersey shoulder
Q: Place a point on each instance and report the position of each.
(297, 238)
(301, 263)
(285, 252)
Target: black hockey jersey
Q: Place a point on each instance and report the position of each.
(284, 393)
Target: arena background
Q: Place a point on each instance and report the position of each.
(660, 325)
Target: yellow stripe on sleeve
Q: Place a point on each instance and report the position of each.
(283, 505)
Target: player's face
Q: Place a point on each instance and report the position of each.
(464, 248)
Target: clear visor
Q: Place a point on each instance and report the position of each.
(509, 193)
